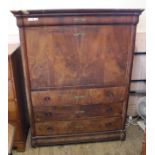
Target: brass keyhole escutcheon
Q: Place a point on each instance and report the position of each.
(79, 19)
(79, 97)
(80, 112)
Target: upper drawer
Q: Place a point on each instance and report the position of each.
(90, 56)
(78, 96)
(76, 20)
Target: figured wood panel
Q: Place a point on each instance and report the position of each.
(78, 55)
(71, 112)
(78, 96)
(78, 126)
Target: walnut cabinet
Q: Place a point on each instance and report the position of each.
(77, 69)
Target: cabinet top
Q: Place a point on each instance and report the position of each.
(78, 12)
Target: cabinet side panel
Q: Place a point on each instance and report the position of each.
(26, 75)
(20, 90)
(130, 65)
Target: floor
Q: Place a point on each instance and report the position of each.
(131, 146)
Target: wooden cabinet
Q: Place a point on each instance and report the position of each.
(77, 69)
(17, 108)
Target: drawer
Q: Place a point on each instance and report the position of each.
(75, 20)
(71, 112)
(98, 124)
(10, 90)
(78, 96)
(12, 110)
(73, 62)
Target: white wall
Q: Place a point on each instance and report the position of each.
(13, 36)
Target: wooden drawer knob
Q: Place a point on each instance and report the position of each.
(110, 94)
(47, 98)
(49, 129)
(108, 124)
(109, 109)
(48, 114)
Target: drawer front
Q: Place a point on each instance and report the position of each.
(78, 96)
(61, 62)
(42, 114)
(79, 126)
(12, 110)
(10, 90)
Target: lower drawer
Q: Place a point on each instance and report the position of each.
(78, 96)
(98, 124)
(71, 112)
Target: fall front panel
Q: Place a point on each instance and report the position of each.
(65, 56)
